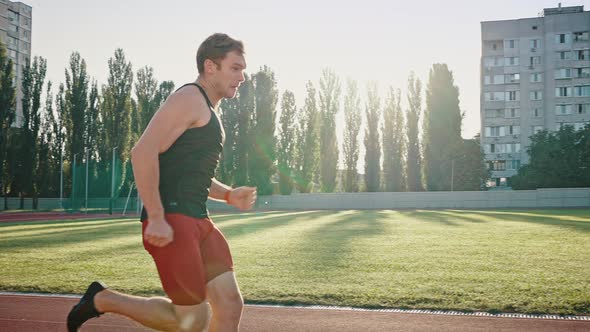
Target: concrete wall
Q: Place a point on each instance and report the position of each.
(541, 198)
(498, 199)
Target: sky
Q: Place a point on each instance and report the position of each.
(370, 40)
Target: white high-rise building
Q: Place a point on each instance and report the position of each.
(535, 75)
(15, 34)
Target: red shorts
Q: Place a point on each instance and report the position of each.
(198, 253)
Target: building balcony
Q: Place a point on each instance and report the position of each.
(504, 174)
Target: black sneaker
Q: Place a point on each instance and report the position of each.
(85, 309)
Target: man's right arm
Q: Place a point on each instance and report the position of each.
(169, 122)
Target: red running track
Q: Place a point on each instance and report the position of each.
(20, 313)
(37, 216)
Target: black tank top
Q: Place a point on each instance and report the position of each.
(187, 167)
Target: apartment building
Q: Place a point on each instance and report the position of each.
(535, 75)
(15, 34)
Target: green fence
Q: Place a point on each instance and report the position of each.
(102, 187)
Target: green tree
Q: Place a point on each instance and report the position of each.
(394, 144)
(230, 115)
(263, 153)
(442, 128)
(286, 149)
(116, 109)
(7, 116)
(164, 90)
(414, 159)
(557, 160)
(247, 106)
(350, 148)
(308, 155)
(372, 140)
(469, 171)
(58, 128)
(146, 88)
(76, 104)
(329, 106)
(46, 169)
(32, 87)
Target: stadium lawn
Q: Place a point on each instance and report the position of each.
(528, 261)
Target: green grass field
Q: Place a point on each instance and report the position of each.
(535, 261)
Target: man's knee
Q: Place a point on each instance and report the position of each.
(191, 319)
(229, 306)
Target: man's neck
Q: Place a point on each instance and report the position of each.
(210, 90)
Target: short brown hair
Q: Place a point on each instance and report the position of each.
(216, 47)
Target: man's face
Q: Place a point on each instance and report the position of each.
(230, 74)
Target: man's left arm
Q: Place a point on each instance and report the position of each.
(242, 197)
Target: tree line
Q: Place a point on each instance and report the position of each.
(416, 149)
(80, 120)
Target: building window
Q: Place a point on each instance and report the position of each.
(511, 61)
(564, 55)
(513, 130)
(11, 41)
(536, 77)
(581, 72)
(537, 113)
(12, 54)
(582, 91)
(536, 129)
(512, 148)
(496, 79)
(512, 113)
(563, 91)
(24, 47)
(511, 43)
(581, 54)
(583, 108)
(513, 95)
(491, 114)
(563, 109)
(535, 43)
(498, 165)
(581, 36)
(494, 96)
(563, 73)
(536, 95)
(535, 60)
(512, 78)
(493, 61)
(513, 164)
(12, 16)
(26, 22)
(495, 131)
(562, 38)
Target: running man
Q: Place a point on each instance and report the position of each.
(174, 163)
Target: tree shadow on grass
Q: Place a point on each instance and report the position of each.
(328, 245)
(257, 216)
(90, 233)
(278, 220)
(433, 216)
(59, 225)
(582, 224)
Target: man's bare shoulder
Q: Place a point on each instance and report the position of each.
(189, 101)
